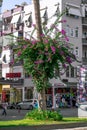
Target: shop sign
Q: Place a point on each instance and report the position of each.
(13, 75)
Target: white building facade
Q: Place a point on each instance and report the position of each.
(18, 22)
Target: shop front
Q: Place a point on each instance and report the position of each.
(60, 95)
(5, 93)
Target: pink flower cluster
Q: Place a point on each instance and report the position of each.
(38, 61)
(53, 49)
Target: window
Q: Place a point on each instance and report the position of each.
(27, 75)
(67, 71)
(77, 52)
(72, 50)
(72, 32)
(57, 72)
(72, 71)
(67, 29)
(15, 56)
(67, 11)
(75, 72)
(76, 32)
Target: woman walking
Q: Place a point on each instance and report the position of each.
(4, 106)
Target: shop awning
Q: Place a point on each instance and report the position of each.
(74, 11)
(27, 17)
(57, 83)
(15, 18)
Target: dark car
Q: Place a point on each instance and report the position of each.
(11, 106)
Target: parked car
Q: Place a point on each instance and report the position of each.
(11, 106)
(29, 104)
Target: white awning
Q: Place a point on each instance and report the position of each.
(74, 11)
(15, 18)
(57, 83)
(26, 17)
(43, 13)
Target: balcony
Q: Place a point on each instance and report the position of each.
(84, 41)
(7, 29)
(11, 81)
(84, 60)
(84, 21)
(7, 13)
(84, 1)
(19, 63)
(17, 9)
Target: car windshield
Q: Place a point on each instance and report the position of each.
(30, 101)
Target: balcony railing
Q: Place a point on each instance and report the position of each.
(17, 9)
(11, 81)
(7, 29)
(7, 14)
(84, 1)
(84, 60)
(84, 21)
(84, 41)
(18, 63)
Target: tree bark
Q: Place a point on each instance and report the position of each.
(37, 18)
(36, 3)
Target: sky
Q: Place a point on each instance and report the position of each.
(9, 4)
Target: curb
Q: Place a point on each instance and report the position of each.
(70, 126)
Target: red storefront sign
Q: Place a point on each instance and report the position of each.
(13, 75)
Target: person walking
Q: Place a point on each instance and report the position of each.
(4, 106)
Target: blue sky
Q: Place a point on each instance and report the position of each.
(9, 4)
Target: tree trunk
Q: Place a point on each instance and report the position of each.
(37, 18)
(42, 99)
(39, 32)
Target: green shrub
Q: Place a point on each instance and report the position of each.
(44, 115)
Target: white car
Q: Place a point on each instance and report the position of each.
(29, 104)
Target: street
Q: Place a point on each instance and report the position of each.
(14, 114)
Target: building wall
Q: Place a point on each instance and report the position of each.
(72, 21)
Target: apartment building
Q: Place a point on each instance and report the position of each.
(18, 22)
(0, 47)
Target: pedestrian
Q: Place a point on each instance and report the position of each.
(4, 107)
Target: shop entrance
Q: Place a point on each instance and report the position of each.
(61, 97)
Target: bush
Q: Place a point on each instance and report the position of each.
(44, 115)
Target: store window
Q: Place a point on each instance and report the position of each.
(28, 93)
